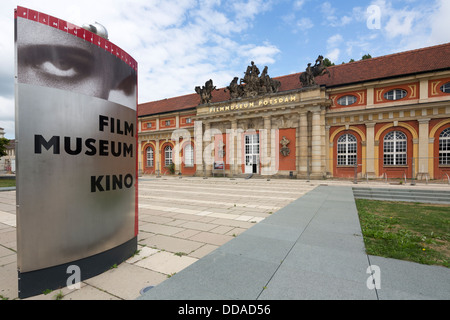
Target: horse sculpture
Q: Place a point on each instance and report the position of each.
(307, 78)
(253, 84)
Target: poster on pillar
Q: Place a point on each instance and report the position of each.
(76, 152)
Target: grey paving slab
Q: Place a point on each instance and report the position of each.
(282, 254)
(268, 229)
(249, 246)
(335, 263)
(311, 249)
(219, 275)
(291, 284)
(408, 280)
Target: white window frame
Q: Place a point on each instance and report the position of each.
(167, 123)
(444, 147)
(395, 149)
(347, 150)
(188, 120)
(347, 100)
(150, 157)
(189, 155)
(252, 155)
(396, 94)
(168, 156)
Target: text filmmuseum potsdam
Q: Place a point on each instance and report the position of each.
(380, 117)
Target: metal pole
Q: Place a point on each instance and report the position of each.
(413, 183)
(204, 170)
(307, 169)
(158, 172)
(355, 181)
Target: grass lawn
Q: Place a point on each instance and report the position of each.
(7, 183)
(417, 232)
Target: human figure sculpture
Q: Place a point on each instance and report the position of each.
(205, 92)
(235, 89)
(284, 149)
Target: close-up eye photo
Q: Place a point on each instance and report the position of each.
(56, 63)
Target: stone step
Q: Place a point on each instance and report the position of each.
(427, 196)
(407, 195)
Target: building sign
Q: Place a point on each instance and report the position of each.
(76, 152)
(254, 104)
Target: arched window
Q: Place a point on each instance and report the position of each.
(444, 147)
(346, 150)
(150, 158)
(189, 156)
(394, 145)
(347, 100)
(396, 94)
(167, 156)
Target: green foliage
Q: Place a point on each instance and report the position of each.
(4, 183)
(364, 57)
(3, 143)
(327, 62)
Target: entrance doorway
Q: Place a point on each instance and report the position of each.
(252, 153)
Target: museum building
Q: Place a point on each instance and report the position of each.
(381, 117)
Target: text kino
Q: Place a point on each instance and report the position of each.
(250, 105)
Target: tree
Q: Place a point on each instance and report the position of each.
(327, 62)
(364, 57)
(3, 143)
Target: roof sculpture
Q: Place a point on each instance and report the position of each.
(412, 62)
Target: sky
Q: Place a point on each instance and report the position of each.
(180, 44)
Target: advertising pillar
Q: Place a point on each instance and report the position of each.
(76, 142)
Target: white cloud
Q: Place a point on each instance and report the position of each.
(261, 54)
(333, 55)
(248, 10)
(298, 5)
(333, 44)
(182, 43)
(178, 43)
(419, 26)
(404, 26)
(335, 40)
(331, 18)
(175, 42)
(440, 23)
(296, 23)
(304, 24)
(400, 23)
(7, 116)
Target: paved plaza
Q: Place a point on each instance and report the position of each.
(180, 221)
(253, 239)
